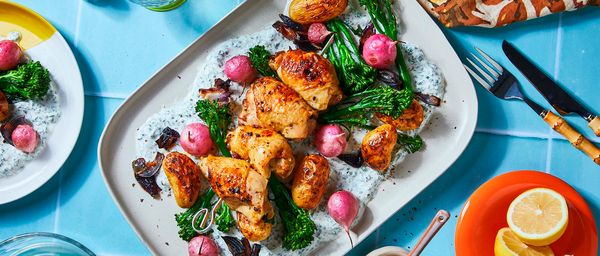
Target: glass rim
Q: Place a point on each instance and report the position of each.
(49, 235)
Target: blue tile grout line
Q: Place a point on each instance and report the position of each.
(77, 22)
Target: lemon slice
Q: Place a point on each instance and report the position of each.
(538, 216)
(508, 244)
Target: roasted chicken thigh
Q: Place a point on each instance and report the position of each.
(239, 185)
(310, 75)
(271, 104)
(266, 150)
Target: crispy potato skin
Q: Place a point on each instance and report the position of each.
(311, 11)
(255, 232)
(184, 176)
(4, 107)
(309, 74)
(377, 146)
(266, 149)
(310, 180)
(410, 119)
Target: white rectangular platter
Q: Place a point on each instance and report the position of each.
(452, 126)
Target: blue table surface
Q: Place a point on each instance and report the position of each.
(119, 45)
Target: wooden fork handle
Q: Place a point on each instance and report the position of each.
(577, 140)
(595, 125)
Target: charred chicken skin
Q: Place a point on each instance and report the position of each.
(239, 185)
(310, 75)
(255, 232)
(271, 104)
(184, 176)
(266, 150)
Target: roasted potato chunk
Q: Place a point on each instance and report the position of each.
(410, 119)
(377, 147)
(4, 107)
(311, 11)
(310, 180)
(184, 176)
(254, 232)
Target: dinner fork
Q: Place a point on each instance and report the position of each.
(500, 82)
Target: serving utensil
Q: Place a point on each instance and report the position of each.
(207, 219)
(560, 100)
(436, 224)
(504, 85)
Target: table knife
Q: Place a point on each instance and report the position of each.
(558, 98)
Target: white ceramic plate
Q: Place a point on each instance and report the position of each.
(42, 42)
(445, 139)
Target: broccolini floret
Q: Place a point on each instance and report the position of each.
(28, 81)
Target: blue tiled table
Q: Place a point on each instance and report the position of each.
(119, 45)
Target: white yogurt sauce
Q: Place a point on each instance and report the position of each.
(362, 182)
(43, 114)
(14, 36)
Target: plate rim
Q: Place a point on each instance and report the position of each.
(460, 146)
(44, 177)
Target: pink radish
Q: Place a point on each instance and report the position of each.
(330, 140)
(317, 33)
(239, 69)
(202, 246)
(343, 208)
(195, 139)
(25, 138)
(10, 55)
(379, 51)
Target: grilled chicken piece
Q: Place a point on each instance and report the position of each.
(266, 149)
(255, 232)
(310, 181)
(309, 74)
(271, 104)
(377, 147)
(410, 119)
(184, 176)
(239, 185)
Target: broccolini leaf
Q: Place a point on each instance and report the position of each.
(259, 56)
(411, 144)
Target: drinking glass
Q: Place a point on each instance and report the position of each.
(159, 5)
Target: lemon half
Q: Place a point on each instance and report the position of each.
(538, 216)
(508, 244)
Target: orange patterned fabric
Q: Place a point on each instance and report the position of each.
(494, 13)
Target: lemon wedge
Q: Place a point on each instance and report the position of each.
(538, 216)
(508, 244)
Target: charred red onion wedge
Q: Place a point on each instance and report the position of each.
(353, 159)
(428, 99)
(295, 32)
(241, 247)
(167, 138)
(7, 128)
(145, 174)
(219, 92)
(390, 78)
(292, 24)
(366, 33)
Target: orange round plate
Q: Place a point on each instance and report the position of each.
(485, 213)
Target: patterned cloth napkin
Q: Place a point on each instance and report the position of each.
(494, 13)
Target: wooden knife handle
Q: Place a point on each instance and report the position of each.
(595, 125)
(579, 141)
